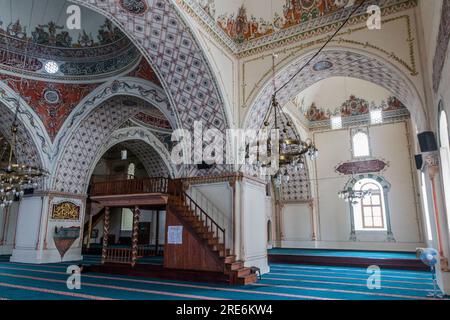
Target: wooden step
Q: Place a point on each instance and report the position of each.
(243, 272)
(229, 259)
(234, 266)
(248, 279)
(213, 241)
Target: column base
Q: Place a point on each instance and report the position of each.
(260, 261)
(45, 256)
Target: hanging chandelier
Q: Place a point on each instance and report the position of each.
(292, 150)
(353, 196)
(16, 177)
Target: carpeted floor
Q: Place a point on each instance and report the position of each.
(344, 253)
(297, 282)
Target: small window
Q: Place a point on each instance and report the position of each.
(127, 220)
(370, 212)
(361, 145)
(131, 171)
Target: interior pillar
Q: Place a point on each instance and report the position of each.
(441, 234)
(157, 233)
(41, 218)
(106, 221)
(135, 236)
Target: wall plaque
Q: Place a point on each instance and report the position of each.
(358, 167)
(175, 235)
(66, 211)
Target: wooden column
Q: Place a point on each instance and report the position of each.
(135, 238)
(106, 221)
(157, 233)
(88, 244)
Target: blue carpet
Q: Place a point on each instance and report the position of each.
(344, 253)
(288, 282)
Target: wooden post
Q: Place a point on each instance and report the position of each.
(135, 238)
(88, 244)
(106, 221)
(157, 234)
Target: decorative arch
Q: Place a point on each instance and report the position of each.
(341, 61)
(158, 30)
(35, 144)
(91, 133)
(145, 145)
(126, 86)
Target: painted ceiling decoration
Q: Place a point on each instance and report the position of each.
(54, 102)
(353, 107)
(346, 63)
(243, 32)
(97, 51)
(240, 27)
(442, 45)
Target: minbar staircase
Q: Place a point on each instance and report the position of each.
(212, 235)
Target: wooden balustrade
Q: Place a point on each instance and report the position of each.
(132, 186)
(118, 255)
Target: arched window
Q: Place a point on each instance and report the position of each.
(445, 157)
(131, 171)
(361, 144)
(370, 212)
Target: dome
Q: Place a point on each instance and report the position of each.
(37, 41)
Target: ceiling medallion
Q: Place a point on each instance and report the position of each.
(322, 65)
(134, 6)
(51, 96)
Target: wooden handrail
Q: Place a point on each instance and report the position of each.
(132, 186)
(175, 189)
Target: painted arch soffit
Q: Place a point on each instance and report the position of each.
(146, 146)
(159, 31)
(343, 62)
(94, 131)
(36, 144)
(147, 91)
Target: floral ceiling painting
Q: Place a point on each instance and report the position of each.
(242, 26)
(354, 106)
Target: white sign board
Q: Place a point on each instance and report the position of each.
(175, 235)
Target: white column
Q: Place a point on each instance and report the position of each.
(35, 230)
(253, 223)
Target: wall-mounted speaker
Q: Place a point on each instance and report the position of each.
(419, 161)
(427, 141)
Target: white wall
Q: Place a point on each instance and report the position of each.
(8, 222)
(253, 224)
(390, 143)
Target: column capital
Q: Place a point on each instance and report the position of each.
(432, 162)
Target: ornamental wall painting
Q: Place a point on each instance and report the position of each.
(66, 211)
(354, 106)
(240, 27)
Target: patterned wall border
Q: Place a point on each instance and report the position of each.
(294, 51)
(287, 36)
(442, 45)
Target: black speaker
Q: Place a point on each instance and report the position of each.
(419, 161)
(427, 141)
(204, 166)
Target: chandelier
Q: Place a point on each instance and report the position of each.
(16, 177)
(291, 151)
(353, 196)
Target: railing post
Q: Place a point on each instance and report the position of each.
(135, 238)
(105, 234)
